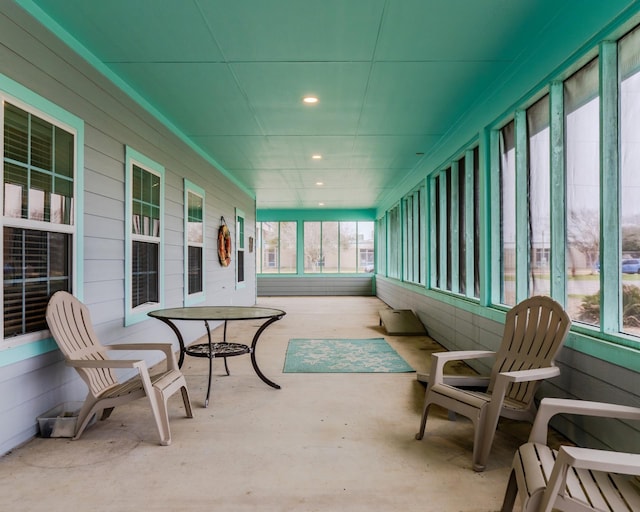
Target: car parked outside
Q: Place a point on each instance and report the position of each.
(631, 266)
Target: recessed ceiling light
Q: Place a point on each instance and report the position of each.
(320, 204)
(316, 157)
(319, 183)
(310, 100)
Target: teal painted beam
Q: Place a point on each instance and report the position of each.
(319, 214)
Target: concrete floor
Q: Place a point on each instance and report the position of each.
(324, 442)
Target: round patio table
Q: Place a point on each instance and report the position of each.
(221, 349)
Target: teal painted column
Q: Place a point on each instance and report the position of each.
(558, 219)
(610, 242)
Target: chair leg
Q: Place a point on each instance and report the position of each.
(162, 417)
(187, 401)
(423, 421)
(486, 425)
(510, 494)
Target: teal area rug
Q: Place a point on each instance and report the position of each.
(373, 355)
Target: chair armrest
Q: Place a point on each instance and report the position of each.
(530, 375)
(549, 407)
(167, 348)
(439, 359)
(585, 458)
(106, 363)
(601, 460)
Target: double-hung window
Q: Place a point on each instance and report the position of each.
(39, 167)
(144, 261)
(194, 242)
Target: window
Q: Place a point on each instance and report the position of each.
(394, 239)
(144, 260)
(413, 240)
(338, 247)
(508, 215)
(629, 51)
(582, 154)
(40, 236)
(277, 247)
(194, 242)
(539, 197)
(240, 248)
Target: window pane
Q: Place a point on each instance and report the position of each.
(449, 227)
(476, 222)
(394, 249)
(36, 264)
(508, 214)
(630, 179)
(312, 254)
(582, 134)
(539, 197)
(145, 264)
(348, 247)
(41, 143)
(366, 258)
(288, 247)
(436, 242)
(462, 246)
(329, 257)
(16, 134)
(195, 269)
(194, 220)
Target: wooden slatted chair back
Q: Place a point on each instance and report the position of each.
(534, 332)
(70, 324)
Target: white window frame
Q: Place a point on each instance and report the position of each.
(139, 313)
(193, 298)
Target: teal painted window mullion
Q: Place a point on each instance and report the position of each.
(455, 226)
(557, 182)
(522, 206)
(468, 223)
(610, 243)
(490, 216)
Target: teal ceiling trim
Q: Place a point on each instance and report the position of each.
(35, 11)
(316, 215)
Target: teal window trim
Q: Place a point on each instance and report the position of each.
(24, 347)
(194, 298)
(131, 315)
